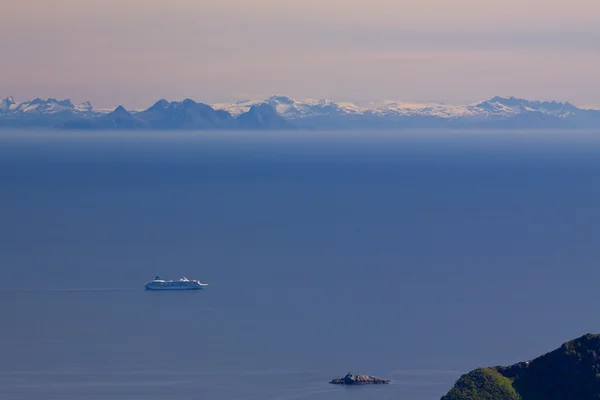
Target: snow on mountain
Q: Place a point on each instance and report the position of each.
(497, 107)
(85, 107)
(7, 104)
(298, 109)
(44, 107)
(497, 112)
(293, 109)
(406, 109)
(236, 108)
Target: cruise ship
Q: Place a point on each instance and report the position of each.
(182, 284)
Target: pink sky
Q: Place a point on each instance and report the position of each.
(134, 52)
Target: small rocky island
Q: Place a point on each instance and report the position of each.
(352, 379)
(567, 373)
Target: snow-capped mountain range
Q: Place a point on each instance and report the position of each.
(8, 106)
(280, 112)
(497, 112)
(497, 106)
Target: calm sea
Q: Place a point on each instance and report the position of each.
(411, 256)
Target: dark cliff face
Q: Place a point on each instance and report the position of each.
(569, 372)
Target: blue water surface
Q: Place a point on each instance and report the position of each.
(415, 256)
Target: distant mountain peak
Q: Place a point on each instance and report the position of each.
(6, 103)
(280, 99)
(162, 103)
(85, 106)
(188, 102)
(8, 100)
(515, 101)
(120, 110)
(65, 102)
(263, 116)
(502, 99)
(506, 100)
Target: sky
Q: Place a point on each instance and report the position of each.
(133, 52)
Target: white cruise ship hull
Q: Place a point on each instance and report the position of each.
(174, 285)
(153, 287)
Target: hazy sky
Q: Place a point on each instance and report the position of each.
(133, 52)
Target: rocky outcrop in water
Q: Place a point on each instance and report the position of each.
(352, 379)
